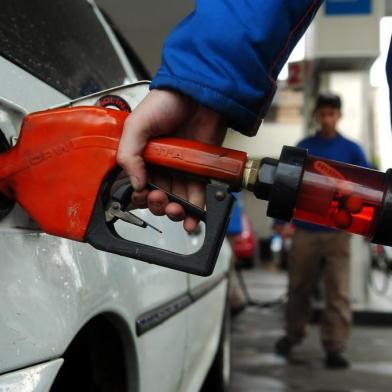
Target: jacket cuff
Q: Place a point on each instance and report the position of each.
(238, 117)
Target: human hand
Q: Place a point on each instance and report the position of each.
(166, 112)
(285, 230)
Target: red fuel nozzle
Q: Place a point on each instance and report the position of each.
(64, 156)
(327, 193)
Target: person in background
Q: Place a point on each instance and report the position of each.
(311, 244)
(236, 297)
(286, 231)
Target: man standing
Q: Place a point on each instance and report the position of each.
(312, 243)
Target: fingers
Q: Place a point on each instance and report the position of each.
(129, 154)
(196, 196)
(158, 114)
(157, 202)
(174, 210)
(139, 199)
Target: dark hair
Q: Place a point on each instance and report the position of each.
(328, 99)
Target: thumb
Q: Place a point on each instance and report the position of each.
(129, 155)
(158, 114)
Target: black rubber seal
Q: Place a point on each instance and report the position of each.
(288, 177)
(265, 179)
(383, 230)
(6, 204)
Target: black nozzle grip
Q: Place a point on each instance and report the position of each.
(102, 235)
(382, 231)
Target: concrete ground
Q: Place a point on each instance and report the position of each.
(257, 369)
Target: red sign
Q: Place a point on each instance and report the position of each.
(298, 72)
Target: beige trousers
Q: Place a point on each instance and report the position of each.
(308, 249)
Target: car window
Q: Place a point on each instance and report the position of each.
(60, 42)
(139, 69)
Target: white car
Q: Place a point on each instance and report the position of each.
(73, 318)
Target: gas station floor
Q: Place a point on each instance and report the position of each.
(257, 369)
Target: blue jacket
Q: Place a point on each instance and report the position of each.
(389, 75)
(338, 148)
(227, 54)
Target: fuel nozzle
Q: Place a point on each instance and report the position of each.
(324, 192)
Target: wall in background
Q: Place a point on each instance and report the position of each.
(145, 24)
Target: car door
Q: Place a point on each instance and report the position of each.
(206, 314)
(51, 286)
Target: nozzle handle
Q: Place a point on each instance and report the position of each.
(102, 235)
(197, 158)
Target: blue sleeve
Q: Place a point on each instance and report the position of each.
(303, 143)
(389, 75)
(227, 54)
(359, 157)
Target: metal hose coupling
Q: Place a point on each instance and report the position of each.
(251, 172)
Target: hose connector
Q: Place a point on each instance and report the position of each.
(251, 173)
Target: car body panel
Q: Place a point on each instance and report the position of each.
(26, 90)
(37, 378)
(66, 283)
(203, 336)
(204, 341)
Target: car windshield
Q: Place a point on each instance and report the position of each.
(60, 42)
